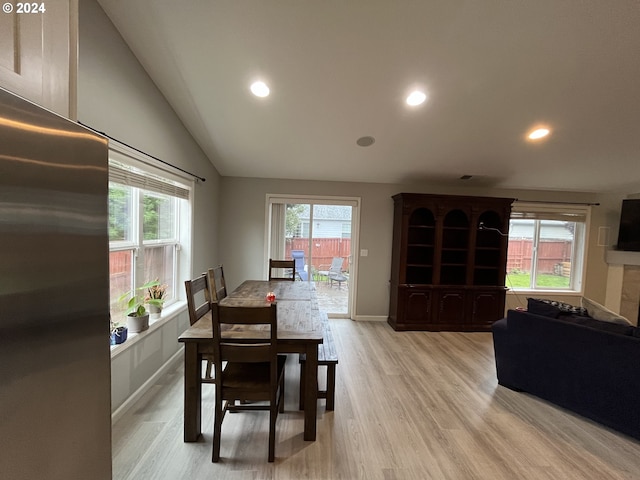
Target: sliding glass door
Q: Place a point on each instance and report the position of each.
(317, 233)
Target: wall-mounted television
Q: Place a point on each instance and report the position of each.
(629, 233)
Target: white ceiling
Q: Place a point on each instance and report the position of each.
(340, 69)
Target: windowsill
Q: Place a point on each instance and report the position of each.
(538, 292)
(168, 314)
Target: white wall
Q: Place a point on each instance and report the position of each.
(139, 362)
(242, 230)
(116, 96)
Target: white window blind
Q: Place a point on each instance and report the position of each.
(125, 175)
(563, 213)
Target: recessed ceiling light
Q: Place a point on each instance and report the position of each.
(416, 98)
(259, 89)
(365, 141)
(538, 133)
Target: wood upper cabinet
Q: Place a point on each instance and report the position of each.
(448, 261)
(38, 54)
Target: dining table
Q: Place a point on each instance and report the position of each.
(300, 330)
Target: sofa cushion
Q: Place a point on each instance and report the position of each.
(602, 313)
(538, 307)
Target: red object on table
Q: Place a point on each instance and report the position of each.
(271, 297)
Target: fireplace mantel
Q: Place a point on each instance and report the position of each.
(621, 257)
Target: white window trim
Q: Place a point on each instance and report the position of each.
(567, 211)
(184, 189)
(354, 202)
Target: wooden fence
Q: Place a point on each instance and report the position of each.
(323, 251)
(553, 257)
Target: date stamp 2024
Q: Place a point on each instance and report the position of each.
(24, 7)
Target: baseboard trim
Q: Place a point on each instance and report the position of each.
(369, 318)
(133, 398)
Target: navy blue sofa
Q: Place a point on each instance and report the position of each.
(584, 365)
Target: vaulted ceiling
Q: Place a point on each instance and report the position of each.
(339, 70)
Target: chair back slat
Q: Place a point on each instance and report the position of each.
(246, 353)
(259, 314)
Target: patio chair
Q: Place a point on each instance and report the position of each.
(335, 273)
(298, 257)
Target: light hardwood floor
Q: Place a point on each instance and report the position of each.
(409, 405)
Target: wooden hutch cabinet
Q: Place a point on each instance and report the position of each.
(448, 262)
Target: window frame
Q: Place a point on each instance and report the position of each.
(146, 170)
(580, 214)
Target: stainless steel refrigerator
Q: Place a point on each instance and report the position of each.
(55, 419)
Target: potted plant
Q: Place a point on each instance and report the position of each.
(137, 315)
(118, 333)
(155, 297)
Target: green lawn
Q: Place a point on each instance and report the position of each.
(522, 280)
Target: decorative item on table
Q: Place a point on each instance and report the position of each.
(137, 315)
(156, 294)
(271, 297)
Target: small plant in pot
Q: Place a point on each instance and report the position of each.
(118, 333)
(137, 315)
(156, 293)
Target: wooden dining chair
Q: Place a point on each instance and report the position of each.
(253, 372)
(198, 305)
(217, 284)
(289, 267)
